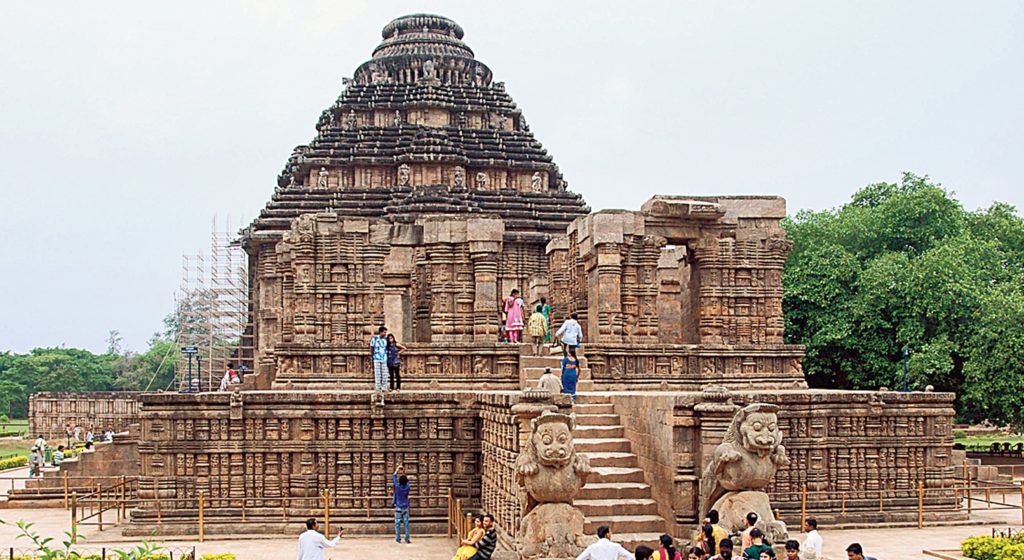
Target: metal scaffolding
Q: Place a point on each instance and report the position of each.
(212, 308)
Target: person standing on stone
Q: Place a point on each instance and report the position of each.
(379, 352)
(312, 543)
(546, 310)
(514, 316)
(401, 503)
(570, 375)
(35, 463)
(813, 543)
(394, 363)
(745, 540)
(605, 548)
(537, 326)
(485, 548)
(41, 444)
(571, 334)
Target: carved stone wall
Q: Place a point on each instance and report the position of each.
(274, 454)
(48, 413)
(499, 450)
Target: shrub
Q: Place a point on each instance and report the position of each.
(994, 548)
(959, 434)
(12, 462)
(225, 556)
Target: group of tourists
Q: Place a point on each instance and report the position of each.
(713, 542)
(387, 361)
(42, 452)
(538, 325)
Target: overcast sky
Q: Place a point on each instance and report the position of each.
(125, 127)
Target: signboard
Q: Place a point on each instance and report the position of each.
(189, 350)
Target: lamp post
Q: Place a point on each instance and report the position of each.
(906, 355)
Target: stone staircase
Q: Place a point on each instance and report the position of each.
(616, 493)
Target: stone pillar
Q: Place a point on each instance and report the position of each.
(600, 238)
(485, 237)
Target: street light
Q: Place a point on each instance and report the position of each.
(906, 354)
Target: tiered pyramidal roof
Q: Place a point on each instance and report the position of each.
(423, 129)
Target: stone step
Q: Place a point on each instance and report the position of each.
(553, 361)
(593, 398)
(586, 419)
(596, 431)
(591, 408)
(611, 459)
(625, 524)
(614, 491)
(587, 445)
(633, 540)
(616, 474)
(607, 508)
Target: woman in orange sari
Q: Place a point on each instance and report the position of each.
(468, 548)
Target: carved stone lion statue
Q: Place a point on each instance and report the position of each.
(742, 467)
(551, 473)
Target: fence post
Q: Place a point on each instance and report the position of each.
(1022, 503)
(202, 517)
(74, 515)
(920, 504)
(803, 506)
(99, 505)
(969, 505)
(468, 526)
(988, 497)
(881, 508)
(327, 512)
(65, 489)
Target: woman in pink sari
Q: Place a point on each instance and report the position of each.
(514, 316)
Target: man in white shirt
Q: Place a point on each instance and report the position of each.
(571, 334)
(312, 543)
(813, 542)
(604, 548)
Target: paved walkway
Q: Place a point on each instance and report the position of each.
(8, 480)
(885, 544)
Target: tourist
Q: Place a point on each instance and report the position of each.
(468, 544)
(78, 433)
(549, 382)
(88, 446)
(394, 363)
(41, 444)
(89, 438)
(757, 545)
(312, 543)
(485, 547)
(513, 316)
(724, 549)
(856, 552)
(765, 555)
(401, 503)
(695, 553)
(643, 553)
(571, 334)
(745, 540)
(717, 530)
(570, 375)
(792, 550)
(35, 463)
(379, 349)
(546, 310)
(58, 456)
(706, 539)
(108, 435)
(605, 548)
(813, 543)
(668, 550)
(537, 326)
(230, 378)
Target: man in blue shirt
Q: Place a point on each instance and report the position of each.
(401, 503)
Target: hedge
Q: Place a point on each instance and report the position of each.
(225, 556)
(994, 548)
(11, 462)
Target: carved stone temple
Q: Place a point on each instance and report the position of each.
(423, 199)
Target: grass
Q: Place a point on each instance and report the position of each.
(15, 425)
(988, 440)
(12, 446)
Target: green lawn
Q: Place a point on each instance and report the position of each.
(15, 425)
(987, 440)
(12, 445)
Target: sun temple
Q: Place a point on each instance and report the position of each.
(423, 200)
